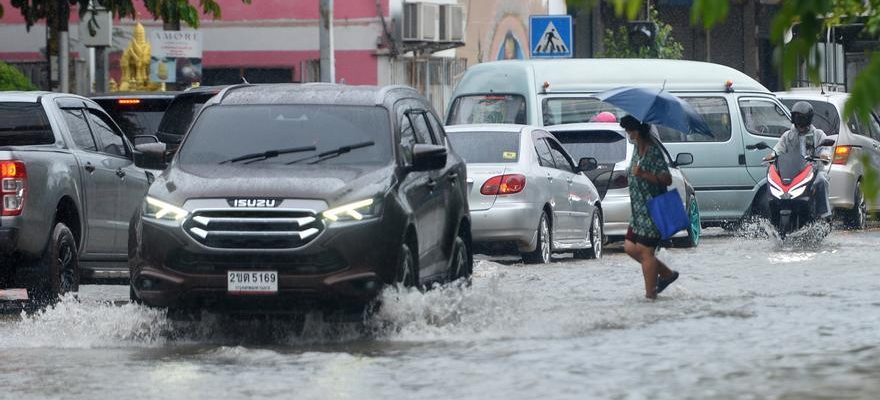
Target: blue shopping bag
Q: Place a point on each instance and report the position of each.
(668, 214)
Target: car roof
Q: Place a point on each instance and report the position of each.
(837, 98)
(586, 126)
(314, 93)
(137, 95)
(28, 96)
(486, 128)
(597, 74)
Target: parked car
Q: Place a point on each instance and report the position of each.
(607, 143)
(524, 188)
(137, 113)
(181, 112)
(69, 189)
(739, 110)
(284, 197)
(854, 139)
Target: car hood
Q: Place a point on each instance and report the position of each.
(334, 184)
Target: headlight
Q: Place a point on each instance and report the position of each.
(158, 209)
(353, 211)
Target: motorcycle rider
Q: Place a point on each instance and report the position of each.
(804, 137)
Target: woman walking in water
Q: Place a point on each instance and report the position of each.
(648, 177)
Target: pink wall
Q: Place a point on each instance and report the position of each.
(235, 10)
(357, 67)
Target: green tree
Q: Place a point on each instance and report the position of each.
(12, 79)
(811, 17)
(618, 45)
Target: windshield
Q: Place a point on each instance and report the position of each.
(181, 112)
(825, 115)
(136, 119)
(226, 133)
(607, 147)
(488, 109)
(486, 147)
(24, 124)
(790, 164)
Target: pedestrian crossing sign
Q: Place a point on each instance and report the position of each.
(551, 36)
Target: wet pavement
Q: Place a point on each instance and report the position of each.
(749, 318)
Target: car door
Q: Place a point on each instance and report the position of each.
(557, 190)
(450, 182)
(420, 187)
(130, 182)
(872, 147)
(98, 184)
(579, 192)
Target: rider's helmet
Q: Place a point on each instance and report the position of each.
(802, 114)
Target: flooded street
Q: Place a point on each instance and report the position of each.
(749, 318)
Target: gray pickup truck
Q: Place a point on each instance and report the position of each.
(69, 188)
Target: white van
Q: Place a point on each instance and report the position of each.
(738, 109)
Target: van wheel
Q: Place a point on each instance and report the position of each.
(543, 249)
(857, 218)
(462, 265)
(60, 266)
(694, 229)
(407, 275)
(596, 237)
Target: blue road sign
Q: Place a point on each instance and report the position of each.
(551, 36)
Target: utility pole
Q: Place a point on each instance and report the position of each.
(328, 59)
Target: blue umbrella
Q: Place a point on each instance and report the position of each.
(656, 106)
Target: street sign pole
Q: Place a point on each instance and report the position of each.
(328, 59)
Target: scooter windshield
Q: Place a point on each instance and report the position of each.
(790, 164)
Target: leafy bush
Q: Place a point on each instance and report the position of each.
(12, 79)
(617, 43)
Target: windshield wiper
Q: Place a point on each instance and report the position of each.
(269, 154)
(334, 153)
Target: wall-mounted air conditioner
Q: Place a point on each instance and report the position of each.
(451, 23)
(420, 22)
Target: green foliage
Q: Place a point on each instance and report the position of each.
(12, 79)
(711, 12)
(617, 43)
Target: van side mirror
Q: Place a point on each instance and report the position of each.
(428, 157)
(150, 156)
(145, 139)
(587, 164)
(683, 159)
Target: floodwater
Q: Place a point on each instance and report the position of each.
(749, 318)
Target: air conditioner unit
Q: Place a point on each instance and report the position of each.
(420, 22)
(451, 23)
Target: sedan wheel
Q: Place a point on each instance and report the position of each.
(543, 249)
(857, 218)
(596, 236)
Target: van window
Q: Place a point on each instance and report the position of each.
(558, 110)
(764, 117)
(825, 115)
(488, 109)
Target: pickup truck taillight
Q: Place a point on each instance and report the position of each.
(13, 184)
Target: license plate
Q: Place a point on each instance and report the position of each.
(252, 282)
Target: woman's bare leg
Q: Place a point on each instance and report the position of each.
(649, 270)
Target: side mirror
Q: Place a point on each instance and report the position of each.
(758, 146)
(428, 157)
(827, 143)
(145, 139)
(587, 164)
(150, 156)
(683, 159)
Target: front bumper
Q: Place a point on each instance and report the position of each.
(346, 264)
(507, 222)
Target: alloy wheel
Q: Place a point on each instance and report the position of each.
(545, 241)
(67, 267)
(597, 236)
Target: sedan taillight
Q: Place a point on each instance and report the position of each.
(503, 184)
(13, 183)
(841, 154)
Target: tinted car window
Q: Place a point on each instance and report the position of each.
(420, 127)
(110, 141)
(825, 115)
(436, 128)
(223, 133)
(180, 114)
(562, 162)
(24, 124)
(607, 147)
(488, 109)
(874, 127)
(79, 129)
(545, 158)
(407, 136)
(486, 147)
(764, 117)
(135, 116)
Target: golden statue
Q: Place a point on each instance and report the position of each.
(135, 64)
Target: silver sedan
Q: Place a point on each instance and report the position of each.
(525, 189)
(607, 142)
